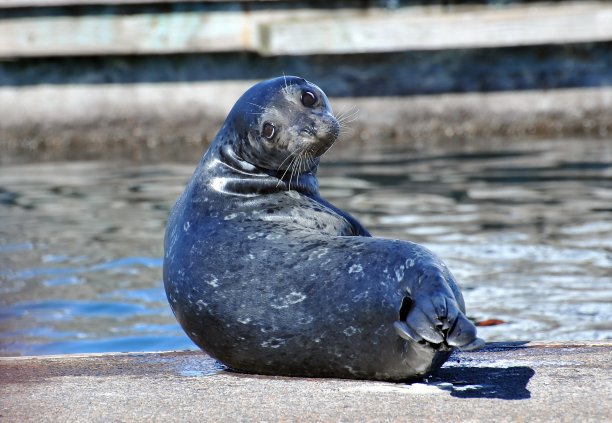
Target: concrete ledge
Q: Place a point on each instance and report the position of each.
(177, 121)
(568, 381)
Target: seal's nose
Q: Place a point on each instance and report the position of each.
(309, 130)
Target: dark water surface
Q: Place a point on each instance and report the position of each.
(525, 227)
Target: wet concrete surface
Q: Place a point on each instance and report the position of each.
(569, 381)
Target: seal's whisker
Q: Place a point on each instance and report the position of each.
(286, 158)
(293, 170)
(288, 167)
(341, 112)
(346, 114)
(345, 122)
(344, 118)
(257, 105)
(291, 166)
(310, 160)
(285, 89)
(349, 117)
(297, 168)
(345, 127)
(298, 159)
(345, 130)
(303, 162)
(306, 160)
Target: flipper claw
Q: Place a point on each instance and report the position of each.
(476, 344)
(404, 331)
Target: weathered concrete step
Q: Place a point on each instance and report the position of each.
(569, 381)
(303, 30)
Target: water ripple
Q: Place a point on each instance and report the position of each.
(525, 227)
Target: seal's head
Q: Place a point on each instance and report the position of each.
(282, 123)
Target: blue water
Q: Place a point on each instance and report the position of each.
(525, 227)
(120, 308)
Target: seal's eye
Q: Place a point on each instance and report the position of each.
(309, 98)
(268, 130)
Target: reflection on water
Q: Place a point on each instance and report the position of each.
(526, 228)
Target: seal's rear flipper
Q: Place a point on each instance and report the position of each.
(463, 335)
(404, 331)
(476, 344)
(437, 321)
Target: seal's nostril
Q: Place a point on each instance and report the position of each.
(309, 130)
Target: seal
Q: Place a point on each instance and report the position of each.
(268, 277)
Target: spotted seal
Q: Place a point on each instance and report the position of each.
(268, 277)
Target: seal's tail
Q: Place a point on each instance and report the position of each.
(433, 316)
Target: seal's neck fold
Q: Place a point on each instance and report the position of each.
(232, 175)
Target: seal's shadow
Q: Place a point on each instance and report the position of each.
(508, 383)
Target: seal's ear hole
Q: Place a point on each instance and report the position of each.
(268, 130)
(309, 98)
(405, 308)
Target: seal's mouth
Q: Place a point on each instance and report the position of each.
(316, 146)
(320, 150)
